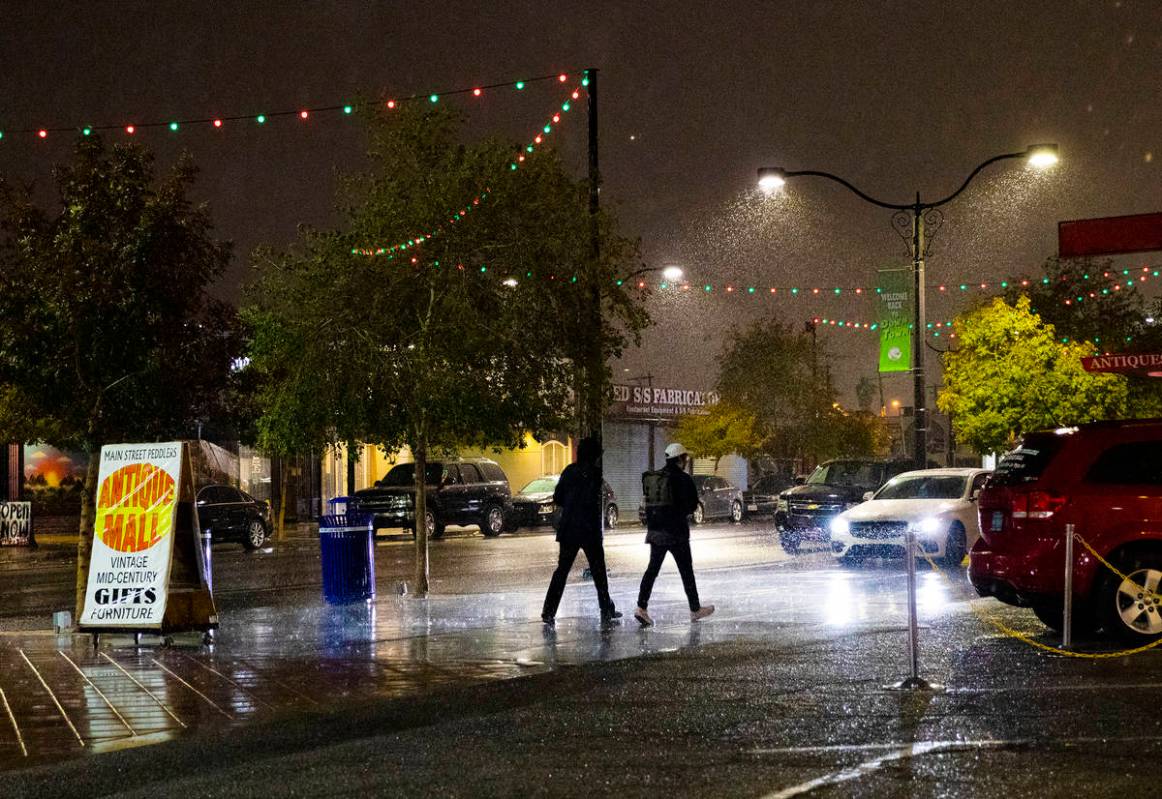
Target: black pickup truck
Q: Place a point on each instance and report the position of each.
(804, 512)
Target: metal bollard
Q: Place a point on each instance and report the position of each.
(915, 682)
(1067, 611)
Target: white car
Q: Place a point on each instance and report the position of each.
(938, 504)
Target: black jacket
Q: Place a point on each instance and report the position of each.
(673, 526)
(578, 496)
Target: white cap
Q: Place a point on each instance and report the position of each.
(675, 450)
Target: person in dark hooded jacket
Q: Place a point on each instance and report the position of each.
(580, 498)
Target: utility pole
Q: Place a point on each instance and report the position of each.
(920, 410)
(594, 399)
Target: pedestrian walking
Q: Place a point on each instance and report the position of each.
(580, 500)
(670, 499)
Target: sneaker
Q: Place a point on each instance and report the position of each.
(643, 618)
(549, 620)
(611, 615)
(701, 613)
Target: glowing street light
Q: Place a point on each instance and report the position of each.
(672, 273)
(771, 179)
(910, 221)
(1042, 156)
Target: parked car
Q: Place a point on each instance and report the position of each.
(938, 504)
(1105, 479)
(717, 499)
(805, 511)
(762, 498)
(469, 491)
(233, 515)
(533, 505)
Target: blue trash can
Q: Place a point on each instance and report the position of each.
(347, 546)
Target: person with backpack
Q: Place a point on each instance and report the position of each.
(670, 497)
(579, 498)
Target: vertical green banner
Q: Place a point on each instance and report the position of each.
(895, 294)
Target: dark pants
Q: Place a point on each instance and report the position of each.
(685, 561)
(595, 554)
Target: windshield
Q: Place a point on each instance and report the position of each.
(847, 473)
(405, 475)
(931, 487)
(542, 485)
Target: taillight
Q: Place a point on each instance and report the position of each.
(1036, 505)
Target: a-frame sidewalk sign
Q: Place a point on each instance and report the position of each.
(147, 570)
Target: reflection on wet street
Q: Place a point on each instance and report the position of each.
(61, 697)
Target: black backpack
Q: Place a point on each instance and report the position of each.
(658, 496)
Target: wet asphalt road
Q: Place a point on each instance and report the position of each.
(780, 694)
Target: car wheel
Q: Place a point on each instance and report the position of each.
(492, 524)
(611, 517)
(956, 547)
(736, 512)
(255, 535)
(435, 529)
(699, 514)
(1131, 609)
(789, 542)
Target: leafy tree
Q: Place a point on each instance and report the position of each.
(1012, 373)
(471, 338)
(106, 330)
(783, 380)
(724, 430)
(1062, 297)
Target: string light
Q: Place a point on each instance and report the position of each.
(345, 108)
(390, 250)
(1136, 278)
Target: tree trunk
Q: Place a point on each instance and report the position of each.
(85, 537)
(421, 511)
(351, 459)
(282, 486)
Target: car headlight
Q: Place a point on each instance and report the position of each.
(545, 509)
(782, 505)
(927, 526)
(840, 526)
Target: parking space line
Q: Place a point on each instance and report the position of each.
(213, 704)
(903, 752)
(52, 696)
(15, 726)
(241, 688)
(138, 683)
(100, 693)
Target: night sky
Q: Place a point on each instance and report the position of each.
(894, 96)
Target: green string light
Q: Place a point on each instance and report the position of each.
(435, 98)
(84, 132)
(347, 109)
(260, 119)
(520, 84)
(173, 126)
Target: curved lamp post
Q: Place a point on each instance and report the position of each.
(910, 221)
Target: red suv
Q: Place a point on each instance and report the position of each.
(1104, 478)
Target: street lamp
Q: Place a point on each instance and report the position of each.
(672, 273)
(910, 221)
